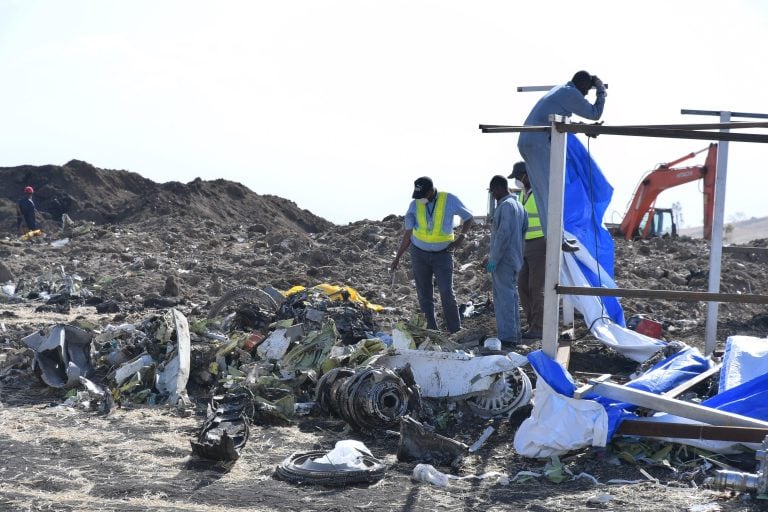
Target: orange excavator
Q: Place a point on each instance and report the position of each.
(644, 220)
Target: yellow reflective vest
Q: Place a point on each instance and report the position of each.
(436, 234)
(534, 222)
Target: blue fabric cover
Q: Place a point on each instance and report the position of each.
(663, 376)
(587, 195)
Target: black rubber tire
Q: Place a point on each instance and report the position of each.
(292, 470)
(242, 294)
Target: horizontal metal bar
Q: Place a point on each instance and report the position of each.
(487, 126)
(539, 88)
(704, 126)
(534, 88)
(680, 295)
(638, 131)
(508, 129)
(647, 428)
(680, 408)
(596, 129)
(720, 112)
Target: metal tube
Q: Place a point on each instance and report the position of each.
(716, 243)
(554, 237)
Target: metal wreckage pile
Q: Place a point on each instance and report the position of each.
(263, 356)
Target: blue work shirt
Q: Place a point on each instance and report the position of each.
(565, 100)
(510, 222)
(453, 207)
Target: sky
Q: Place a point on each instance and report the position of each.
(340, 105)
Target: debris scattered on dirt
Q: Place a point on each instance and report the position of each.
(136, 251)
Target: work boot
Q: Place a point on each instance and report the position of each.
(570, 245)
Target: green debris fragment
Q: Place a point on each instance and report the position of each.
(227, 348)
(313, 349)
(554, 470)
(199, 327)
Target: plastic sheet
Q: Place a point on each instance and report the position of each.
(558, 422)
(587, 195)
(744, 359)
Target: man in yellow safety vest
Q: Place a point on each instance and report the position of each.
(429, 234)
(530, 283)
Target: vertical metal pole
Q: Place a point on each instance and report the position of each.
(550, 330)
(569, 313)
(716, 242)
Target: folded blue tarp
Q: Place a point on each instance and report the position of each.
(587, 196)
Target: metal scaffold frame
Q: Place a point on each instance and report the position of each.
(559, 127)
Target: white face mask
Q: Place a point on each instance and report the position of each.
(423, 200)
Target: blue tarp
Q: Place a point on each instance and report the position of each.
(748, 399)
(663, 376)
(587, 195)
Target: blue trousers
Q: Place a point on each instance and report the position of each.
(438, 265)
(505, 303)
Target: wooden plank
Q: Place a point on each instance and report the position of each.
(680, 295)
(563, 354)
(735, 249)
(646, 428)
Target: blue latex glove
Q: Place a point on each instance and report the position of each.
(490, 266)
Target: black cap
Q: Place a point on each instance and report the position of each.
(518, 171)
(422, 187)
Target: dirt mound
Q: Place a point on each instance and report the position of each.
(106, 196)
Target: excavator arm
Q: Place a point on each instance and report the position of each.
(666, 176)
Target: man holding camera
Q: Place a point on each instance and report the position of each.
(564, 100)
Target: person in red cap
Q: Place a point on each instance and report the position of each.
(25, 212)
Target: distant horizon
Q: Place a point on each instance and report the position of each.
(339, 106)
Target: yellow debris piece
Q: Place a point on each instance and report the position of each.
(335, 292)
(30, 234)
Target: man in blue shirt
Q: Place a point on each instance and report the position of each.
(564, 100)
(25, 212)
(429, 234)
(505, 259)
(530, 280)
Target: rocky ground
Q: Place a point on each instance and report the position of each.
(153, 247)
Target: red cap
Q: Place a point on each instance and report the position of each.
(29, 190)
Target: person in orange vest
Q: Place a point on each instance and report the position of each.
(530, 284)
(430, 235)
